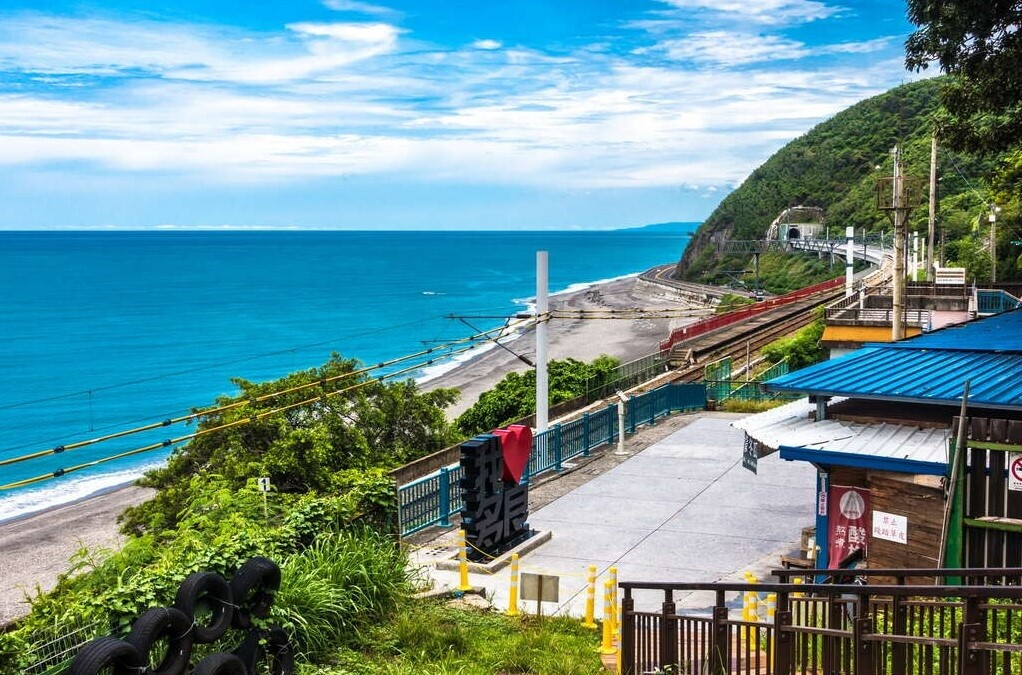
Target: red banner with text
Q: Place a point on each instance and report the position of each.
(849, 518)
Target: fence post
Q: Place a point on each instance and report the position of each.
(585, 435)
(558, 453)
(445, 497)
(626, 658)
(972, 661)
(784, 645)
(862, 647)
(898, 652)
(668, 634)
(718, 637)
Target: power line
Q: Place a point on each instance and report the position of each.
(258, 399)
(219, 364)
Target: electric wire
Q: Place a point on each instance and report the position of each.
(257, 399)
(210, 366)
(228, 425)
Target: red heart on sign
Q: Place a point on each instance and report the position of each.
(516, 446)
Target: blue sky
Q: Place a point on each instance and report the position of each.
(424, 114)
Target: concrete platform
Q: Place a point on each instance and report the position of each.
(683, 509)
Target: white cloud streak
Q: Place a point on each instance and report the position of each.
(347, 98)
(359, 7)
(771, 12)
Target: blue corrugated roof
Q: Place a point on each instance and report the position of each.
(998, 333)
(928, 369)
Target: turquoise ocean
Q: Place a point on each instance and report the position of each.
(106, 331)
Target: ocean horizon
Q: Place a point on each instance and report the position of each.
(108, 330)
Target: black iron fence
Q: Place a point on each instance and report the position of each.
(827, 629)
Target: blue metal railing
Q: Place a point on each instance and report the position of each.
(433, 499)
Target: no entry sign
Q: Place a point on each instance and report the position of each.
(1015, 471)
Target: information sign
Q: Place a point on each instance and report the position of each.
(1015, 471)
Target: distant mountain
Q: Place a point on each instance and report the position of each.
(834, 166)
(672, 227)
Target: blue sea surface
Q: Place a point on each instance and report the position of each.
(105, 331)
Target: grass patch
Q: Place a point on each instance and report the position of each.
(428, 638)
(746, 406)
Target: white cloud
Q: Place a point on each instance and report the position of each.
(487, 44)
(101, 47)
(762, 11)
(732, 49)
(331, 99)
(356, 6)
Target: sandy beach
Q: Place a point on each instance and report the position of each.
(582, 339)
(35, 550)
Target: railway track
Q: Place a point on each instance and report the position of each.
(736, 340)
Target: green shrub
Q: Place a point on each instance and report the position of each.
(514, 397)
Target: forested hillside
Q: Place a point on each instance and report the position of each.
(834, 166)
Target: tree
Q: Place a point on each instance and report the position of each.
(514, 397)
(303, 431)
(978, 43)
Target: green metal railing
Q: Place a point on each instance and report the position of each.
(434, 499)
(625, 376)
(995, 301)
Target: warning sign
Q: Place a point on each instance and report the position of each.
(1015, 471)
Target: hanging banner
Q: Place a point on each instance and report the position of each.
(849, 522)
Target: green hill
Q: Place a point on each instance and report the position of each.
(834, 166)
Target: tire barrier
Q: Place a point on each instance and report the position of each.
(163, 623)
(205, 608)
(253, 587)
(106, 654)
(202, 593)
(220, 664)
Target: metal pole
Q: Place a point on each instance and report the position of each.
(542, 327)
(956, 461)
(849, 260)
(932, 224)
(993, 243)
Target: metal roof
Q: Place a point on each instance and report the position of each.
(998, 333)
(887, 447)
(928, 369)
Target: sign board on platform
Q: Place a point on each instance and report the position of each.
(890, 526)
(540, 587)
(750, 454)
(1015, 471)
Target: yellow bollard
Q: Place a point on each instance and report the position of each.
(590, 620)
(613, 597)
(607, 646)
(512, 603)
(798, 582)
(463, 563)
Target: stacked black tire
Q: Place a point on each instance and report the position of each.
(206, 607)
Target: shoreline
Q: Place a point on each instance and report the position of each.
(36, 547)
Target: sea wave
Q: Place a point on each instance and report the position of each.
(530, 302)
(60, 492)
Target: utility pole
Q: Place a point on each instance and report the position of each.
(899, 199)
(898, 292)
(932, 229)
